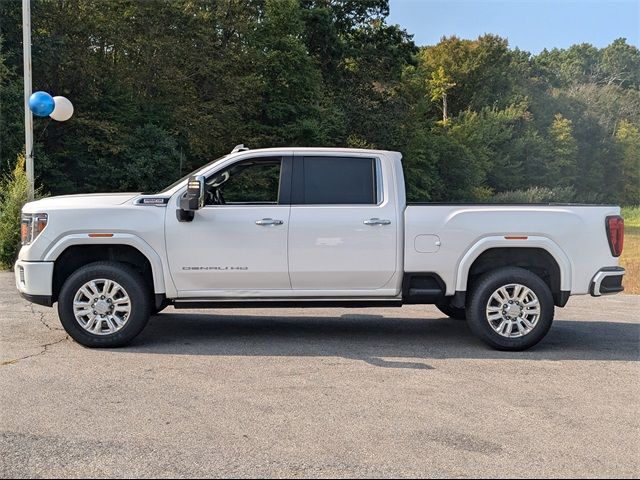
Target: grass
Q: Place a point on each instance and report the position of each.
(630, 258)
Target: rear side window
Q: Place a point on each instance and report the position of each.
(334, 180)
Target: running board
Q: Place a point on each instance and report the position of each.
(279, 303)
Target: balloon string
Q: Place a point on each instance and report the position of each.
(44, 129)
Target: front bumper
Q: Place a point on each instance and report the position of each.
(34, 281)
(607, 281)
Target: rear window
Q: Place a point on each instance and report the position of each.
(335, 180)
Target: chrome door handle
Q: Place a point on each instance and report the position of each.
(377, 221)
(267, 222)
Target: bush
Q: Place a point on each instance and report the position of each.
(536, 195)
(14, 191)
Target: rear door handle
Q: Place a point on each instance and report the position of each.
(377, 221)
(268, 222)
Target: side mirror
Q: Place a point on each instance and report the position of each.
(192, 200)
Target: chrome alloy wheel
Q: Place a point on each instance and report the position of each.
(102, 306)
(513, 310)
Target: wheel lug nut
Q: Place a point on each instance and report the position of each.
(95, 313)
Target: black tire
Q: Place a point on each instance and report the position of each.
(451, 311)
(129, 279)
(156, 310)
(481, 293)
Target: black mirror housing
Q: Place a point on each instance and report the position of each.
(194, 198)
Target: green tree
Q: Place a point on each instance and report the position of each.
(628, 136)
(439, 85)
(561, 169)
(13, 195)
(290, 85)
(151, 162)
(620, 64)
(11, 113)
(159, 80)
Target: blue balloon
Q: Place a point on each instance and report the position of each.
(41, 104)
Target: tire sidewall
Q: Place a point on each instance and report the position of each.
(451, 311)
(487, 285)
(135, 287)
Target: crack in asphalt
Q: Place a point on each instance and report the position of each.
(42, 320)
(44, 347)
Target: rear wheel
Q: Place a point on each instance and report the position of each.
(451, 311)
(510, 309)
(104, 304)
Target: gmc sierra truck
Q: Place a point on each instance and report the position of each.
(310, 227)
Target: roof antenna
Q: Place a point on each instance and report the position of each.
(239, 148)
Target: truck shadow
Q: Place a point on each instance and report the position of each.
(379, 341)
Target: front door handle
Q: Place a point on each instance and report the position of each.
(268, 222)
(377, 221)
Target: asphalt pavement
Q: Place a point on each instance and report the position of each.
(391, 392)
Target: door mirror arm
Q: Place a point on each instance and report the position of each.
(184, 215)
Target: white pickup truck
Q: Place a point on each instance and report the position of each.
(310, 227)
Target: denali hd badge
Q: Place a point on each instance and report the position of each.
(215, 268)
(153, 201)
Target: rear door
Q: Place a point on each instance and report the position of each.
(342, 231)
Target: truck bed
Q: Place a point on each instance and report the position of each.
(442, 237)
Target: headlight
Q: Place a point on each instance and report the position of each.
(31, 225)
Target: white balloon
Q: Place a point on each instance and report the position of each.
(63, 109)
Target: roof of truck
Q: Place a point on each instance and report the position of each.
(316, 150)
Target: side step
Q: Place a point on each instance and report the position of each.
(279, 303)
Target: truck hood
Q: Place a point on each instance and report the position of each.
(92, 200)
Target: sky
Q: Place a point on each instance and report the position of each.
(529, 25)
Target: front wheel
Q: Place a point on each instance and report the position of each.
(104, 304)
(510, 309)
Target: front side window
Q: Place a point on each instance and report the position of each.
(336, 181)
(249, 182)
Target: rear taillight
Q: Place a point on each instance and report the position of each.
(615, 234)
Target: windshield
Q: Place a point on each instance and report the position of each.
(177, 182)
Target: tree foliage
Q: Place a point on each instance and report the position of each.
(14, 191)
(162, 86)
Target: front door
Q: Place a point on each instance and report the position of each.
(236, 244)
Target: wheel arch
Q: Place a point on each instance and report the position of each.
(72, 252)
(539, 255)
